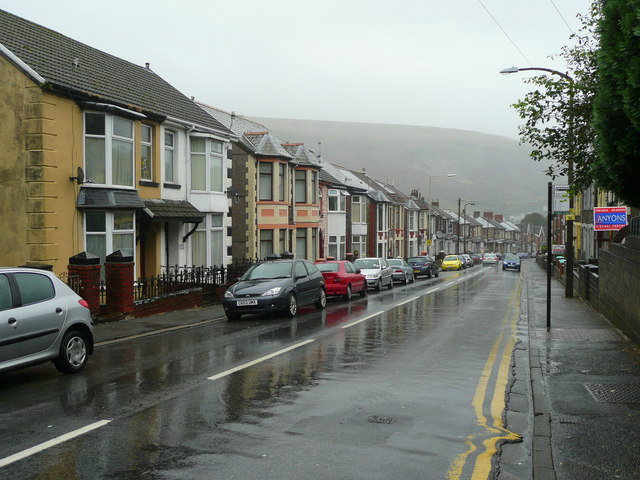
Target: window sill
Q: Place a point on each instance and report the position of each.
(148, 183)
(172, 185)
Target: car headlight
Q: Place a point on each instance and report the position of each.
(273, 291)
(372, 275)
(228, 294)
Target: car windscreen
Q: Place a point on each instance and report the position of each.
(328, 267)
(416, 260)
(365, 263)
(451, 258)
(268, 270)
(512, 258)
(394, 262)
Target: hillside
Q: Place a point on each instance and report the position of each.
(494, 172)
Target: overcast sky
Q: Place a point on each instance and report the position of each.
(413, 62)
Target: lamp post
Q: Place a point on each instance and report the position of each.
(429, 231)
(464, 215)
(568, 292)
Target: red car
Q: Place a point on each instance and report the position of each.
(341, 277)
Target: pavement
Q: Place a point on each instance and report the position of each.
(575, 388)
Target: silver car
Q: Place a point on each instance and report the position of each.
(377, 272)
(42, 319)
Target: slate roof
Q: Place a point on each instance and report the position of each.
(85, 73)
(167, 210)
(376, 191)
(108, 198)
(254, 137)
(302, 155)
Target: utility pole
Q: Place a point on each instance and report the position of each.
(458, 244)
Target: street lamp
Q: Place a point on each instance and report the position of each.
(459, 226)
(429, 231)
(464, 215)
(568, 292)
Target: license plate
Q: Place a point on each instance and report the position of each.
(246, 303)
(416, 271)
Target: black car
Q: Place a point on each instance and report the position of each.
(511, 262)
(423, 265)
(275, 286)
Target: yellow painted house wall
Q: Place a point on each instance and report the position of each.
(41, 137)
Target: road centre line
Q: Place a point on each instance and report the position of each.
(407, 300)
(259, 360)
(51, 443)
(363, 319)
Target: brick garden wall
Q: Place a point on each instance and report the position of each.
(619, 286)
(167, 303)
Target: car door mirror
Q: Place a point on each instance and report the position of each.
(358, 270)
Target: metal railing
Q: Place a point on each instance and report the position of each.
(634, 227)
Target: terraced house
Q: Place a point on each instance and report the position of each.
(274, 192)
(101, 155)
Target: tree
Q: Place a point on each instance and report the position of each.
(534, 219)
(617, 103)
(558, 115)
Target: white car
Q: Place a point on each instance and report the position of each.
(42, 319)
(489, 259)
(377, 272)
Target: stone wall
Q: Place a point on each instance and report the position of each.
(619, 286)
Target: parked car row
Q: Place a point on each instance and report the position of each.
(282, 285)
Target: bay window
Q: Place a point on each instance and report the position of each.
(266, 243)
(207, 242)
(108, 149)
(265, 181)
(301, 186)
(301, 243)
(109, 231)
(169, 156)
(146, 152)
(206, 164)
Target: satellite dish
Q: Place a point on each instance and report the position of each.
(79, 176)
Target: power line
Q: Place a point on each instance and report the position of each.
(559, 13)
(505, 33)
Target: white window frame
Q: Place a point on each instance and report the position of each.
(169, 165)
(108, 136)
(359, 244)
(208, 228)
(359, 202)
(146, 145)
(210, 156)
(110, 231)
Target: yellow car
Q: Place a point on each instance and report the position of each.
(452, 262)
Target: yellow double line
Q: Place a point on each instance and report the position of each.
(495, 431)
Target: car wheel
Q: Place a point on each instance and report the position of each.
(379, 285)
(292, 305)
(437, 273)
(363, 292)
(322, 301)
(429, 273)
(413, 278)
(73, 354)
(347, 295)
(232, 317)
(390, 283)
(405, 280)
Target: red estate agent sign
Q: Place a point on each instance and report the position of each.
(609, 218)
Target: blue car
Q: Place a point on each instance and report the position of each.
(511, 262)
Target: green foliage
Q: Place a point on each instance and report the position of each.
(534, 219)
(558, 114)
(617, 104)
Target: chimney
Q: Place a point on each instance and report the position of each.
(476, 214)
(435, 203)
(488, 215)
(147, 65)
(500, 218)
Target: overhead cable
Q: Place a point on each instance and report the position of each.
(505, 33)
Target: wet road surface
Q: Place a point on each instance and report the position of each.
(406, 383)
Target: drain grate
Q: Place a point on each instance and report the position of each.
(380, 419)
(614, 392)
